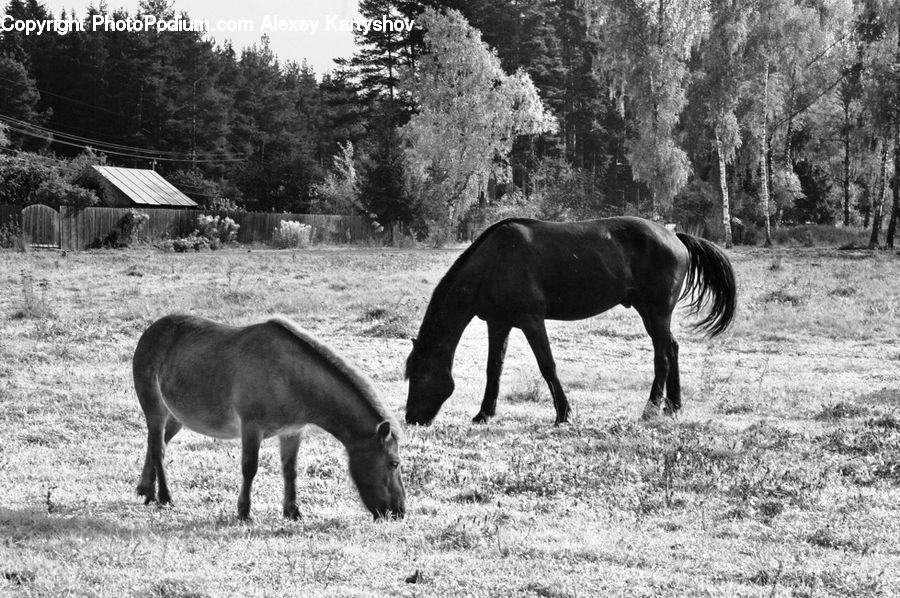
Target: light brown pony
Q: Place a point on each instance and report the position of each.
(255, 382)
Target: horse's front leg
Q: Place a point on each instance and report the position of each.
(498, 336)
(536, 334)
(251, 437)
(290, 444)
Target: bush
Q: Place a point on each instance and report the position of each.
(212, 232)
(218, 231)
(126, 232)
(192, 242)
(11, 235)
(290, 234)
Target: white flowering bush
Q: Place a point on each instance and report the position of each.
(219, 231)
(291, 234)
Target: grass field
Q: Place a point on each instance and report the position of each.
(781, 478)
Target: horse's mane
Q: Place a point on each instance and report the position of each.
(441, 288)
(356, 378)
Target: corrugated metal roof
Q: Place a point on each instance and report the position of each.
(145, 187)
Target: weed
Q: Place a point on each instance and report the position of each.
(783, 297)
(35, 305)
(532, 393)
(827, 537)
(385, 322)
(172, 588)
(841, 410)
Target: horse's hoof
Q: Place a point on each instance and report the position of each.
(292, 513)
(481, 418)
(651, 412)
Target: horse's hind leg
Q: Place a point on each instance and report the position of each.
(251, 438)
(290, 444)
(657, 325)
(536, 334)
(673, 381)
(498, 335)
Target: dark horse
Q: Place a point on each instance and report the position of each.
(269, 379)
(520, 272)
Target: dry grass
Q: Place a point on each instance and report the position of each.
(782, 477)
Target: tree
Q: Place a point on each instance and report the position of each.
(644, 47)
(18, 102)
(470, 113)
(716, 92)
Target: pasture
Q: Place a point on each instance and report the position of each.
(781, 477)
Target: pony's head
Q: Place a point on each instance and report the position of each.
(430, 384)
(375, 469)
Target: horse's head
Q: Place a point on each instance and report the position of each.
(430, 384)
(375, 468)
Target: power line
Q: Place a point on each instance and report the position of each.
(123, 154)
(94, 142)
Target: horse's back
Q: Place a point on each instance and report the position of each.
(573, 270)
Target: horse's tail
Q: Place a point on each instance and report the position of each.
(710, 278)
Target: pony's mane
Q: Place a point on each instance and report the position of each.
(355, 377)
(447, 279)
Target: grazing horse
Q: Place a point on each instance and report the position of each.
(520, 272)
(268, 379)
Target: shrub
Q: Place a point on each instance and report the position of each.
(192, 242)
(212, 232)
(217, 231)
(291, 234)
(10, 235)
(126, 232)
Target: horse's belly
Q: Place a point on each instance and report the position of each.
(217, 420)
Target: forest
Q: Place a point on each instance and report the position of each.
(731, 118)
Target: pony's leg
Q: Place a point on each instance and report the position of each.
(171, 428)
(498, 335)
(657, 326)
(158, 419)
(147, 484)
(536, 334)
(673, 381)
(251, 438)
(290, 444)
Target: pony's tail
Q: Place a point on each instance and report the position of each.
(710, 279)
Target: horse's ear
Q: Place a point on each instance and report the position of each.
(383, 431)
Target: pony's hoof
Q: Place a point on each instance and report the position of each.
(481, 418)
(292, 513)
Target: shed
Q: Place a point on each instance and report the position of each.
(136, 187)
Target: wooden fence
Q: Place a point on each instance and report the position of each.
(80, 229)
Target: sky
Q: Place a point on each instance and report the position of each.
(319, 48)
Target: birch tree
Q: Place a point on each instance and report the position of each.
(644, 46)
(469, 114)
